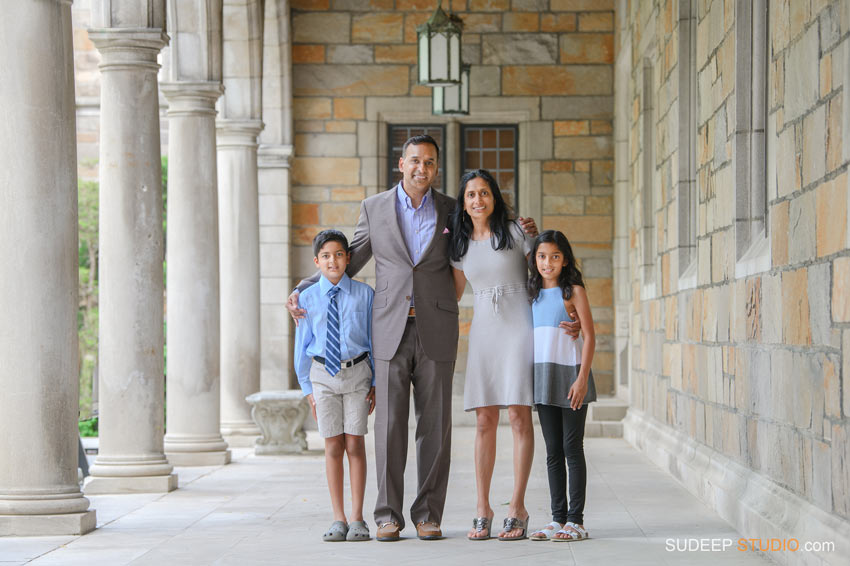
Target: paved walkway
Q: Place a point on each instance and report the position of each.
(273, 510)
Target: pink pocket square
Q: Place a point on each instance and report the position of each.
(445, 230)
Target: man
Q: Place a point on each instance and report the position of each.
(414, 335)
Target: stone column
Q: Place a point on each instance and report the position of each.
(131, 456)
(193, 409)
(239, 258)
(39, 403)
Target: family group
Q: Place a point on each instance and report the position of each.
(531, 343)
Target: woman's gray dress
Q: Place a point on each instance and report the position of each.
(500, 361)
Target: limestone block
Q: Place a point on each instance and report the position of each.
(818, 286)
(771, 314)
(581, 228)
(599, 205)
(814, 145)
(845, 356)
(821, 475)
(830, 29)
(795, 308)
(332, 27)
(325, 171)
(585, 147)
(341, 127)
(841, 469)
(470, 54)
(273, 291)
(349, 108)
(350, 54)
(566, 184)
(834, 143)
(587, 47)
(350, 80)
(309, 194)
(280, 415)
(577, 107)
(311, 108)
(386, 27)
(802, 237)
(485, 80)
(362, 5)
(558, 22)
(530, 5)
(788, 163)
(326, 145)
(519, 49)
(478, 23)
(273, 260)
(801, 86)
(48, 525)
(582, 5)
(520, 22)
(831, 200)
(831, 387)
(367, 139)
(305, 213)
(599, 21)
(563, 204)
(339, 214)
(308, 54)
(550, 80)
(397, 54)
(779, 233)
(841, 290)
(538, 136)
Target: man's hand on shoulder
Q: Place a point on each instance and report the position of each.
(528, 226)
(292, 306)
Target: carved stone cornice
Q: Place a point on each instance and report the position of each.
(191, 98)
(124, 49)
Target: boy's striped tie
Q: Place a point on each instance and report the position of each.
(332, 350)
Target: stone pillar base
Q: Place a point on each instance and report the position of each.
(280, 416)
(132, 484)
(240, 440)
(48, 525)
(198, 458)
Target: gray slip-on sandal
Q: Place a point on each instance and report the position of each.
(336, 532)
(357, 531)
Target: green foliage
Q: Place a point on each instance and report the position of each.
(88, 427)
(87, 315)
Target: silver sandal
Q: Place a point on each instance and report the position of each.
(546, 532)
(512, 523)
(481, 524)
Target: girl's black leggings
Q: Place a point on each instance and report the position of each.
(563, 431)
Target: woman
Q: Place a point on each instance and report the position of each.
(490, 250)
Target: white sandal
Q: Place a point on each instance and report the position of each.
(573, 531)
(546, 532)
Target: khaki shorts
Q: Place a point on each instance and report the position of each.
(341, 405)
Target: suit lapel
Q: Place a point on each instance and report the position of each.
(391, 211)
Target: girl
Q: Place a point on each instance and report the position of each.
(563, 382)
(489, 248)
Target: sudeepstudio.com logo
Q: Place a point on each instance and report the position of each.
(747, 545)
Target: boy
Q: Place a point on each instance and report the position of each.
(333, 347)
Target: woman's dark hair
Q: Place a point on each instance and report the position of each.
(570, 275)
(460, 224)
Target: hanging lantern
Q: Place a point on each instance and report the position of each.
(452, 100)
(439, 49)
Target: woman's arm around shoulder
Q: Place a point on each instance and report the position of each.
(582, 306)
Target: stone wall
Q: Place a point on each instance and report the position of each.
(751, 358)
(545, 65)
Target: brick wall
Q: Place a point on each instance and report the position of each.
(545, 65)
(752, 363)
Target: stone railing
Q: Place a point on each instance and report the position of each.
(280, 416)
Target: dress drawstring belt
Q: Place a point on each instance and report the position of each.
(495, 293)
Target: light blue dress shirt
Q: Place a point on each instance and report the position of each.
(355, 325)
(417, 224)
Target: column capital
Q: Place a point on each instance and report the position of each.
(237, 133)
(128, 48)
(274, 156)
(191, 98)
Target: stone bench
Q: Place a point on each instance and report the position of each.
(280, 416)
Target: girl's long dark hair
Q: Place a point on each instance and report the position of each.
(460, 224)
(570, 275)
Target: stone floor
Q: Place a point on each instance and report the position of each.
(273, 510)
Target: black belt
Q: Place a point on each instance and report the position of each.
(346, 364)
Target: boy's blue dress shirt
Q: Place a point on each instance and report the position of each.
(355, 325)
